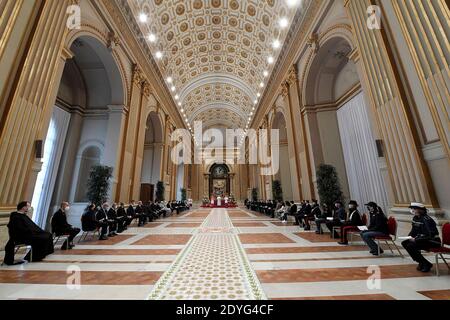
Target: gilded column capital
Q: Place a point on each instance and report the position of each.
(284, 89)
(146, 88)
(137, 75)
(292, 77)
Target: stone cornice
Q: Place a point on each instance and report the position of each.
(127, 28)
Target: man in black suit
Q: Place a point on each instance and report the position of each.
(22, 230)
(140, 212)
(89, 222)
(120, 221)
(122, 213)
(339, 218)
(102, 216)
(61, 227)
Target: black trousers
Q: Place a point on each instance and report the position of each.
(414, 248)
(71, 232)
(334, 223)
(103, 225)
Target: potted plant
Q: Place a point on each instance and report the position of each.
(277, 191)
(98, 184)
(160, 191)
(328, 185)
(183, 194)
(255, 194)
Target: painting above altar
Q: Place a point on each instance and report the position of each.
(219, 187)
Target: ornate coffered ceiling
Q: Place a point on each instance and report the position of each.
(215, 52)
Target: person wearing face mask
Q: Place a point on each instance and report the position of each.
(60, 226)
(424, 236)
(22, 230)
(353, 222)
(378, 227)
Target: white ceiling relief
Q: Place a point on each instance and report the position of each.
(216, 55)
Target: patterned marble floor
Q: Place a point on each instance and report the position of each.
(220, 254)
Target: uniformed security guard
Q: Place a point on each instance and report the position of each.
(425, 236)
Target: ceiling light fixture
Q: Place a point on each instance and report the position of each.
(276, 44)
(169, 79)
(266, 74)
(143, 17)
(151, 37)
(270, 60)
(159, 54)
(284, 22)
(292, 3)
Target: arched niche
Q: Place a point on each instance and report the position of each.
(338, 119)
(152, 157)
(284, 173)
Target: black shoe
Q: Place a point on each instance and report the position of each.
(426, 267)
(419, 266)
(103, 238)
(307, 228)
(343, 243)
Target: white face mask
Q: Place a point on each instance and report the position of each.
(67, 209)
(412, 211)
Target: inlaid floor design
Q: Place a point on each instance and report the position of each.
(221, 254)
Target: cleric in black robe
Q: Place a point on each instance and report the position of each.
(22, 230)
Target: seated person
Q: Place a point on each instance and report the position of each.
(139, 210)
(425, 236)
(353, 222)
(122, 213)
(119, 221)
(310, 213)
(322, 218)
(22, 230)
(60, 227)
(339, 218)
(102, 216)
(300, 214)
(378, 227)
(287, 210)
(89, 222)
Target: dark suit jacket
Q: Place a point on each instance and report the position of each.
(89, 221)
(59, 223)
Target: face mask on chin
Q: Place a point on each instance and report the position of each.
(412, 211)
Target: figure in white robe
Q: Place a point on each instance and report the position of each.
(219, 201)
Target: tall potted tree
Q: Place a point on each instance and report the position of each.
(277, 191)
(183, 194)
(98, 184)
(160, 191)
(328, 185)
(255, 194)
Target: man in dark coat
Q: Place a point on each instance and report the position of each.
(102, 216)
(22, 230)
(122, 213)
(61, 227)
(339, 218)
(112, 216)
(89, 222)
